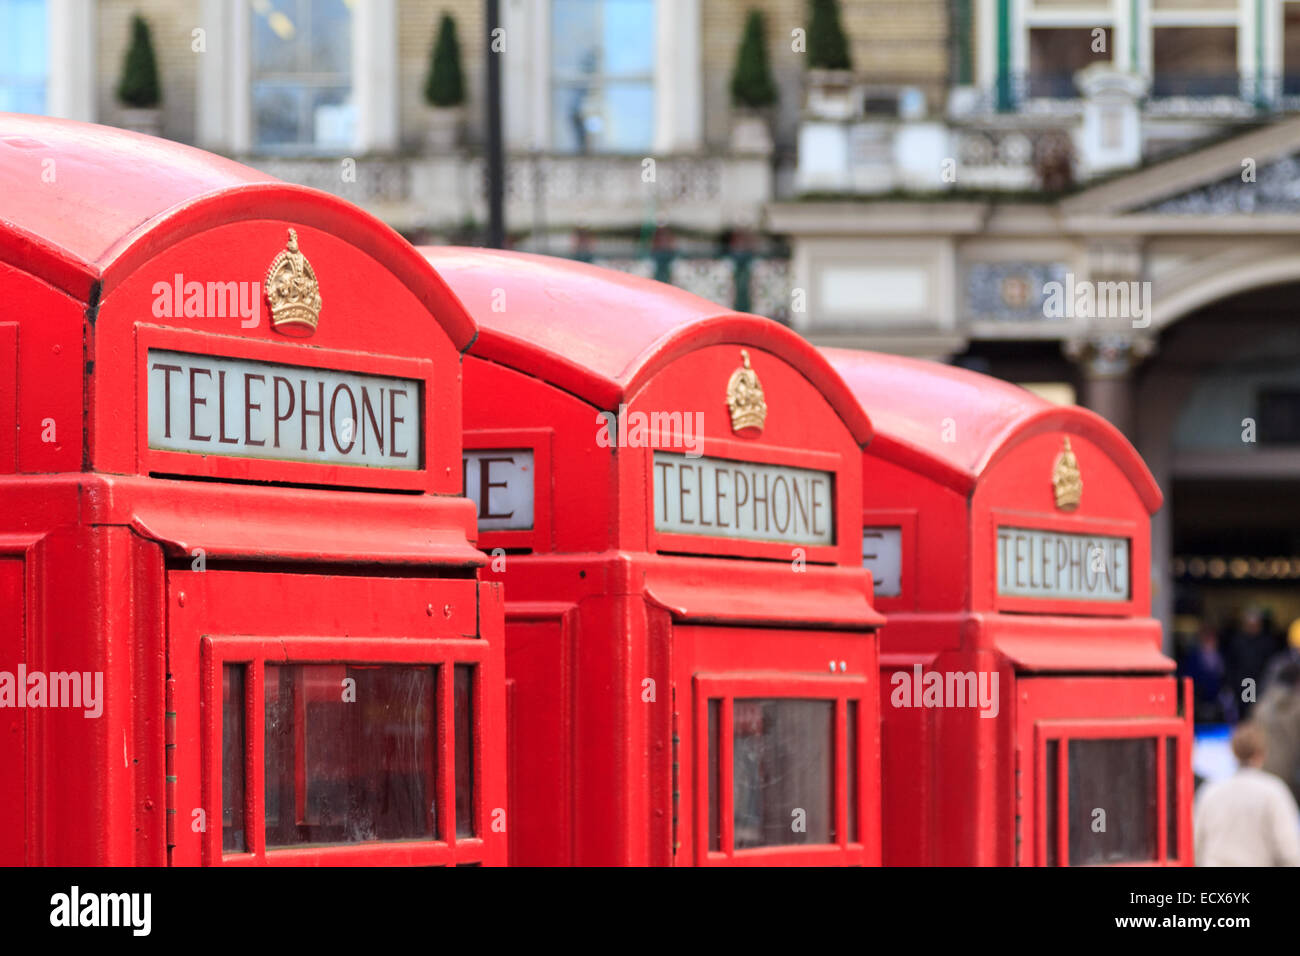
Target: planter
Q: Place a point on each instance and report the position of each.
(751, 131)
(146, 120)
(831, 95)
(445, 126)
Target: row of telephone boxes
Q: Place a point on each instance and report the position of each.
(319, 548)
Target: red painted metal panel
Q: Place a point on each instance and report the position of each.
(49, 432)
(541, 804)
(689, 591)
(1051, 643)
(13, 721)
(8, 396)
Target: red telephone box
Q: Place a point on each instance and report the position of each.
(239, 617)
(1028, 716)
(670, 494)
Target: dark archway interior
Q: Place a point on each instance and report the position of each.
(1228, 499)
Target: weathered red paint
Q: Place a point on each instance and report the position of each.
(955, 456)
(599, 602)
(100, 533)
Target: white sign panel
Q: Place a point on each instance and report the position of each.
(500, 482)
(206, 405)
(1054, 564)
(740, 499)
(882, 555)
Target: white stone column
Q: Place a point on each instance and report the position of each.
(525, 80)
(679, 84)
(986, 44)
(375, 93)
(72, 31)
(224, 120)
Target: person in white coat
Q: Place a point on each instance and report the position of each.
(1250, 818)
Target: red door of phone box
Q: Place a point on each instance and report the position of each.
(239, 590)
(1028, 715)
(670, 494)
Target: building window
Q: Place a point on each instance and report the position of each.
(1057, 53)
(1194, 61)
(1291, 49)
(602, 75)
(302, 96)
(24, 56)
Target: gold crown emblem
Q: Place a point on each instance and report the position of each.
(745, 398)
(1066, 481)
(293, 291)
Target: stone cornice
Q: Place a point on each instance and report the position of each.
(843, 218)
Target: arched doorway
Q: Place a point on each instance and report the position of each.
(1218, 421)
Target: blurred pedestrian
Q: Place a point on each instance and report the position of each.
(1204, 664)
(1288, 657)
(1278, 715)
(1247, 651)
(1249, 819)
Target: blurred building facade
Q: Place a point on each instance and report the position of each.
(1096, 198)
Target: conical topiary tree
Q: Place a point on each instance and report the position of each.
(445, 85)
(828, 47)
(139, 84)
(751, 81)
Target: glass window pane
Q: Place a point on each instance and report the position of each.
(329, 39)
(628, 121)
(715, 821)
(629, 38)
(463, 707)
(1290, 49)
(232, 758)
(1194, 61)
(783, 772)
(277, 113)
(575, 119)
(1053, 802)
(1057, 53)
(575, 38)
(24, 56)
(277, 32)
(351, 753)
(1119, 777)
(602, 70)
(851, 754)
(302, 74)
(331, 117)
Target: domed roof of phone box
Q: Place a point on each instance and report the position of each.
(81, 206)
(908, 400)
(601, 334)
